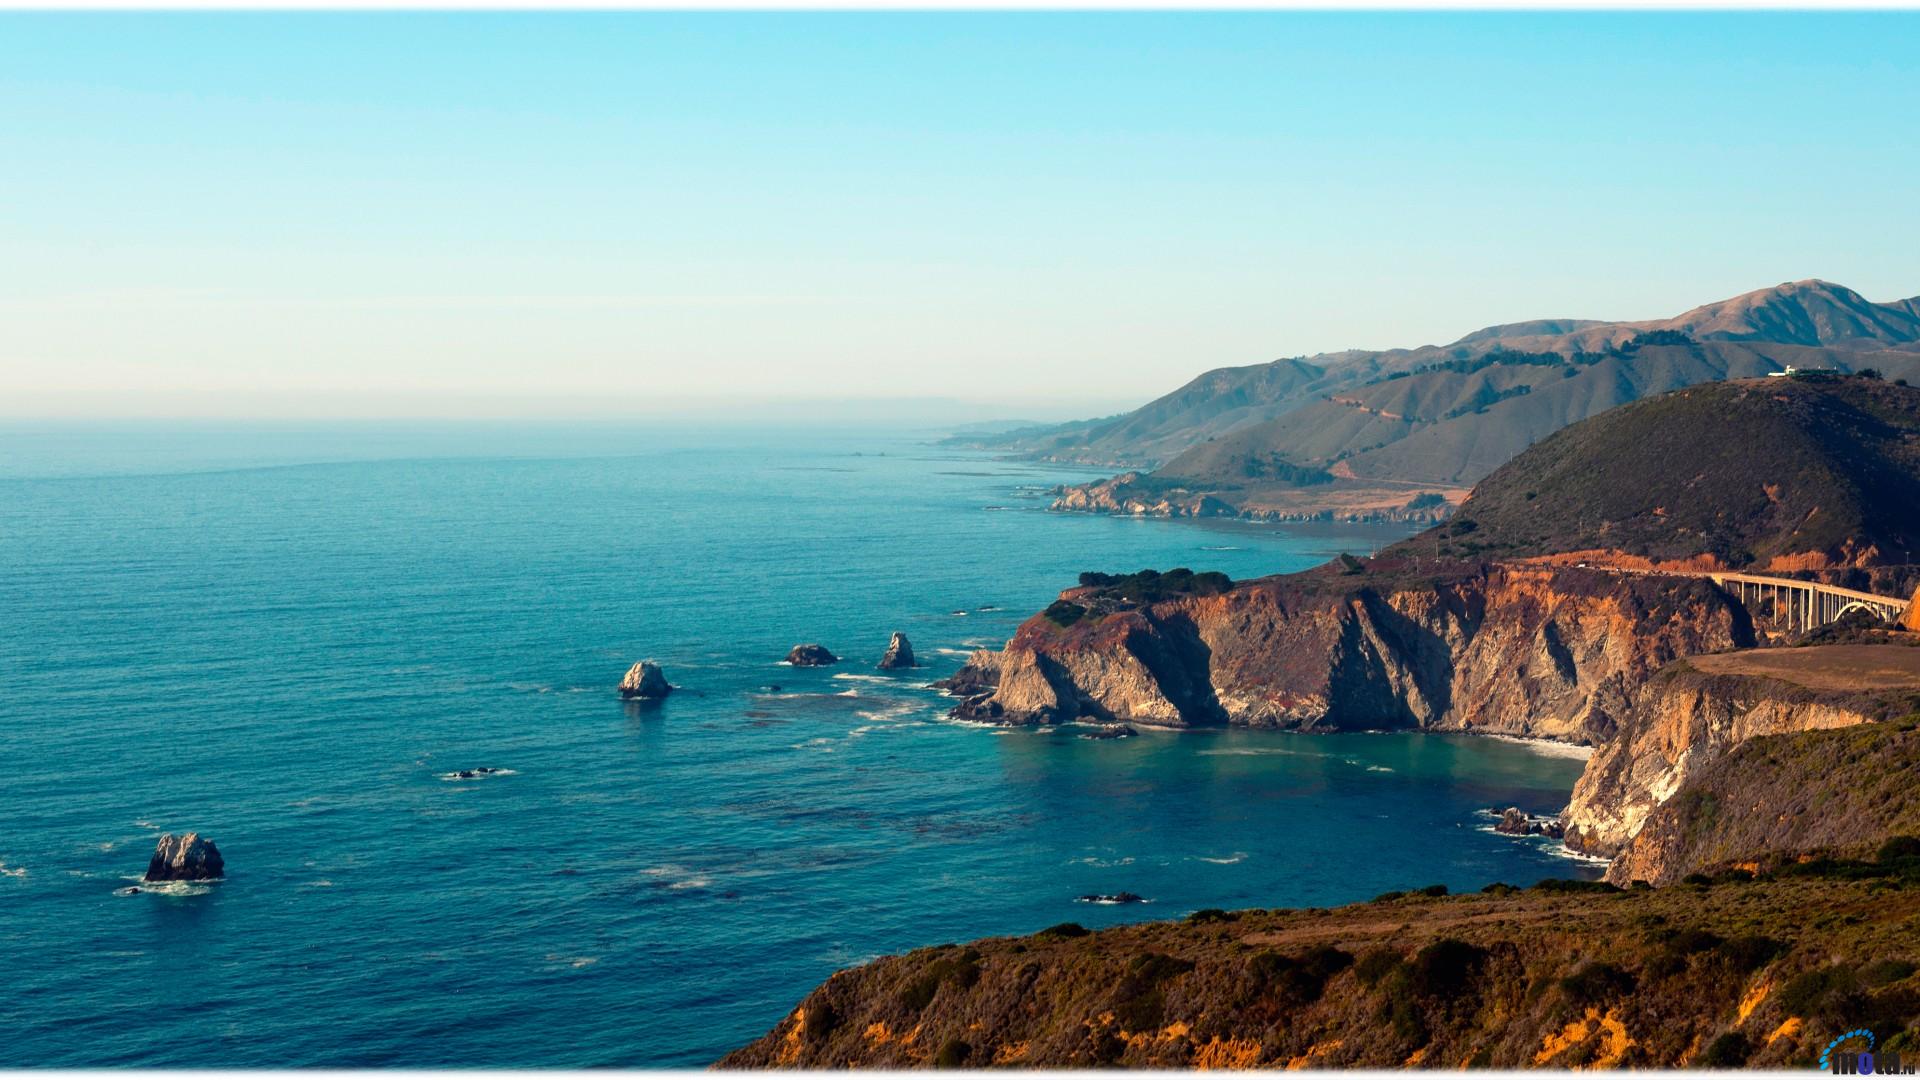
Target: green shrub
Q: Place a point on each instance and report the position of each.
(1446, 967)
(1899, 847)
(818, 1020)
(1211, 915)
(1688, 942)
(1886, 971)
(1500, 888)
(962, 971)
(1376, 965)
(1396, 894)
(1826, 993)
(1573, 885)
(1064, 613)
(1729, 1051)
(1140, 1000)
(1065, 930)
(1751, 952)
(952, 1054)
(1434, 890)
(1595, 983)
(1297, 980)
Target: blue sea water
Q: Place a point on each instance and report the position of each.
(287, 637)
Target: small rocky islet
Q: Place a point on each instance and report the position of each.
(188, 857)
(899, 654)
(645, 681)
(811, 655)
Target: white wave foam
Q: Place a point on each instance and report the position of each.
(166, 888)
(1379, 768)
(1097, 861)
(322, 883)
(1223, 860)
(862, 678)
(12, 871)
(1255, 751)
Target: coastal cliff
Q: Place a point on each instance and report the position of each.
(1720, 756)
(1552, 652)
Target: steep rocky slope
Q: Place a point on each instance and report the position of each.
(1552, 652)
(1846, 789)
(1555, 976)
(1694, 714)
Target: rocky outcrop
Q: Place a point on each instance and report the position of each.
(1517, 822)
(1551, 652)
(899, 655)
(185, 858)
(1843, 791)
(1686, 719)
(811, 656)
(1911, 620)
(645, 680)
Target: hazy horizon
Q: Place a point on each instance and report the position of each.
(948, 217)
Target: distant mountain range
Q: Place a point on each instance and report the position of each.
(1340, 424)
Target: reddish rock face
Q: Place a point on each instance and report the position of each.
(185, 858)
(1554, 652)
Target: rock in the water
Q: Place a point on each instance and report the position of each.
(811, 656)
(899, 653)
(185, 858)
(1112, 731)
(1517, 822)
(1112, 898)
(644, 680)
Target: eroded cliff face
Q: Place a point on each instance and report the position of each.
(1681, 722)
(1553, 652)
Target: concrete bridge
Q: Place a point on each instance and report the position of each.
(1788, 604)
(1797, 606)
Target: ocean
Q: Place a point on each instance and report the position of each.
(290, 637)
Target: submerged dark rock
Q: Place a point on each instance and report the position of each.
(1112, 731)
(185, 858)
(1112, 898)
(645, 680)
(811, 656)
(899, 653)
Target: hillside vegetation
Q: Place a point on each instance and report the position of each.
(1753, 472)
(1565, 974)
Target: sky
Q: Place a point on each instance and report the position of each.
(972, 215)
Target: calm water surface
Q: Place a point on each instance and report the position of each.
(286, 638)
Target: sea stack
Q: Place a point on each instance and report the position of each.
(899, 653)
(644, 680)
(811, 656)
(185, 858)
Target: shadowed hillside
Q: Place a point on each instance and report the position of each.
(1787, 473)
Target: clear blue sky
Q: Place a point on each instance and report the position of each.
(306, 214)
